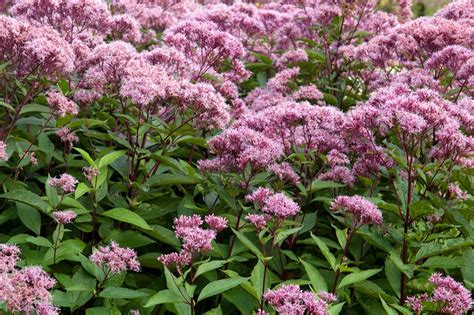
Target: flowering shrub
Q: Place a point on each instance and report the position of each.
(278, 157)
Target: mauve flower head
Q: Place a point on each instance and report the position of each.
(416, 302)
(67, 137)
(284, 171)
(8, 257)
(258, 220)
(115, 258)
(308, 92)
(65, 183)
(195, 238)
(26, 290)
(280, 206)
(90, 173)
(216, 223)
(33, 159)
(179, 260)
(70, 18)
(291, 300)
(454, 298)
(259, 196)
(361, 210)
(456, 192)
(3, 151)
(64, 217)
(61, 105)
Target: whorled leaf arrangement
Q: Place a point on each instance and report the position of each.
(281, 157)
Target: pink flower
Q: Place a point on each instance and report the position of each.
(115, 258)
(216, 223)
(449, 293)
(27, 290)
(67, 137)
(65, 183)
(64, 217)
(284, 171)
(8, 257)
(179, 260)
(259, 196)
(361, 210)
(280, 206)
(3, 151)
(456, 192)
(195, 239)
(258, 220)
(33, 159)
(291, 300)
(61, 105)
(90, 173)
(415, 302)
(307, 92)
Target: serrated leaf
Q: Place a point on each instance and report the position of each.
(219, 286)
(164, 297)
(86, 157)
(121, 293)
(110, 158)
(249, 244)
(317, 280)
(325, 251)
(320, 185)
(127, 216)
(30, 217)
(357, 277)
(26, 197)
(208, 266)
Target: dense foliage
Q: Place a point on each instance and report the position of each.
(291, 157)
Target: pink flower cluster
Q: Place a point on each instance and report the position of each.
(65, 183)
(90, 173)
(195, 238)
(61, 105)
(64, 217)
(274, 207)
(3, 151)
(449, 294)
(115, 259)
(8, 257)
(67, 137)
(359, 209)
(24, 290)
(291, 300)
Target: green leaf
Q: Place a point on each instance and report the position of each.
(249, 244)
(81, 189)
(26, 197)
(110, 158)
(121, 293)
(219, 286)
(30, 217)
(393, 275)
(325, 251)
(127, 216)
(208, 266)
(86, 157)
(317, 280)
(170, 180)
(257, 280)
(357, 277)
(39, 241)
(405, 268)
(164, 297)
(320, 185)
(388, 309)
